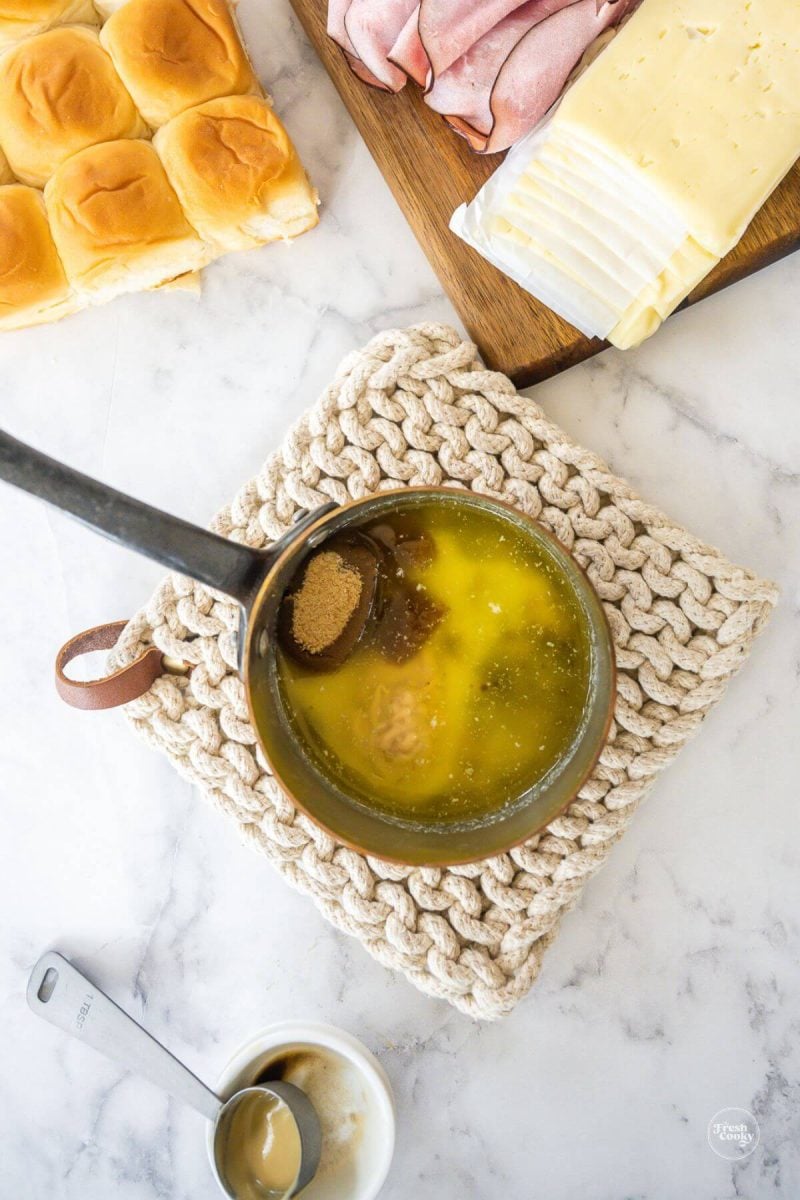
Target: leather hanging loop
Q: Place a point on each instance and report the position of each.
(122, 686)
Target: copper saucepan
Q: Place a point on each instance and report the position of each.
(257, 580)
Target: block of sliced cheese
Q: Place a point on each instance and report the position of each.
(652, 166)
(21, 18)
(702, 99)
(59, 92)
(174, 54)
(236, 173)
(117, 223)
(33, 284)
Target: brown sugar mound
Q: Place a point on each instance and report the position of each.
(325, 601)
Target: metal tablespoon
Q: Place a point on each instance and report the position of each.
(60, 994)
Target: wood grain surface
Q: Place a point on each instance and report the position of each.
(431, 171)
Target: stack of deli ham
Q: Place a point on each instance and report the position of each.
(492, 68)
(651, 167)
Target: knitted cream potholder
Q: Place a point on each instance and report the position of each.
(416, 406)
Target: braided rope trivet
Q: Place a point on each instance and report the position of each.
(417, 407)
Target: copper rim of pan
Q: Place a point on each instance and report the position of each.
(364, 502)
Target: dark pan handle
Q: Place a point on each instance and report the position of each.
(227, 566)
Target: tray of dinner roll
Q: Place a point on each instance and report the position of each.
(136, 145)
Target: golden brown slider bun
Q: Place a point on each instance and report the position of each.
(117, 223)
(173, 54)
(59, 93)
(21, 18)
(191, 282)
(236, 173)
(6, 174)
(33, 286)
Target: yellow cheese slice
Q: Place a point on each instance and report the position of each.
(581, 160)
(643, 249)
(536, 268)
(590, 209)
(563, 246)
(683, 272)
(556, 210)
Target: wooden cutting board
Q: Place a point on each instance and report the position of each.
(431, 171)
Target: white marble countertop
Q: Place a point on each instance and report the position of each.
(673, 989)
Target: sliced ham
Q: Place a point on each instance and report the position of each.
(373, 27)
(533, 76)
(463, 93)
(408, 52)
(363, 73)
(337, 31)
(447, 28)
(492, 68)
(438, 32)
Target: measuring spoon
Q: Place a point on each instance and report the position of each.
(358, 554)
(59, 993)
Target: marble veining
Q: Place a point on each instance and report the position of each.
(672, 991)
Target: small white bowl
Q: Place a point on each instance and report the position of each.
(361, 1174)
